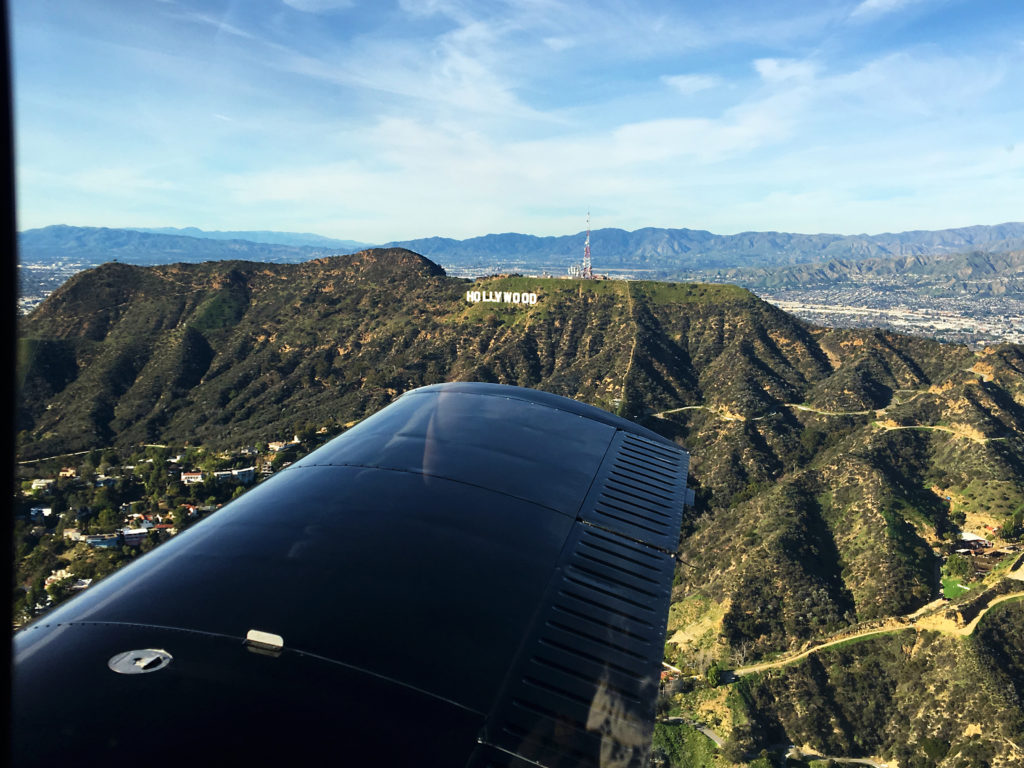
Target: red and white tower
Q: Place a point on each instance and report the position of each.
(588, 273)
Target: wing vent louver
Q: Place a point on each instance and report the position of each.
(640, 491)
(583, 690)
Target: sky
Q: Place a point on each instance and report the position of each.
(380, 120)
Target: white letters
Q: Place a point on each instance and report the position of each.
(501, 297)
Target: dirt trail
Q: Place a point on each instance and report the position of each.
(632, 350)
(926, 617)
(962, 432)
(801, 407)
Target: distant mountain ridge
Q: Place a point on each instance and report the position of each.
(260, 236)
(667, 252)
(652, 252)
(97, 245)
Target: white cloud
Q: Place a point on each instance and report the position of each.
(691, 84)
(919, 85)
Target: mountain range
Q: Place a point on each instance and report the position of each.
(666, 252)
(833, 469)
(656, 252)
(261, 236)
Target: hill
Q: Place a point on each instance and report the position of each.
(834, 469)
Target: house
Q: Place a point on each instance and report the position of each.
(246, 475)
(41, 484)
(69, 472)
(976, 544)
(974, 541)
(133, 537)
(38, 513)
(191, 478)
(58, 575)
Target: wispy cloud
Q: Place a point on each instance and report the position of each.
(691, 84)
(218, 23)
(871, 9)
(781, 70)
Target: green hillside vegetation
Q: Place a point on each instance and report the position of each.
(921, 698)
(834, 469)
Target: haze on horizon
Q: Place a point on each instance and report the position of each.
(380, 121)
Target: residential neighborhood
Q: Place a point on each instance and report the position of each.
(80, 517)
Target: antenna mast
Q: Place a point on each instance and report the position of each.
(588, 273)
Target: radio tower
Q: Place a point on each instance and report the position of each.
(588, 273)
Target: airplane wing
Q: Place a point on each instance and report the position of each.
(477, 575)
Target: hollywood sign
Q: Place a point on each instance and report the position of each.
(501, 297)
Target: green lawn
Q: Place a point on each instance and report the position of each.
(951, 587)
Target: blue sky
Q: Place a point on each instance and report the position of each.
(377, 120)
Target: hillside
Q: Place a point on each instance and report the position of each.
(833, 468)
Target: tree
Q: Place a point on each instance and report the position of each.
(1011, 530)
(959, 567)
(108, 520)
(714, 675)
(180, 517)
(59, 590)
(734, 750)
